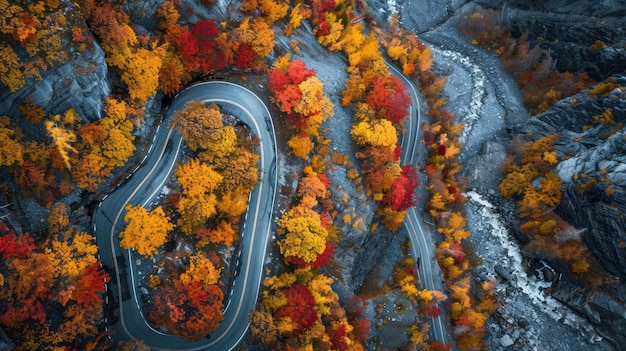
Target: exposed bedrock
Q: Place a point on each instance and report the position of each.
(79, 83)
(593, 171)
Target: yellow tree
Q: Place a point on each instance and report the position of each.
(110, 138)
(62, 139)
(301, 145)
(376, 133)
(222, 143)
(32, 113)
(263, 327)
(455, 228)
(11, 150)
(352, 38)
(313, 99)
(233, 203)
(304, 235)
(198, 200)
(298, 13)
(57, 218)
(263, 43)
(141, 73)
(71, 252)
(239, 170)
(272, 11)
(117, 148)
(11, 72)
(146, 231)
(202, 270)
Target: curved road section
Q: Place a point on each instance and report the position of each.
(413, 222)
(146, 183)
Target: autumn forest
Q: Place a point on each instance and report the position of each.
(56, 292)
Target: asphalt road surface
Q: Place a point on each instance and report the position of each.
(145, 185)
(413, 222)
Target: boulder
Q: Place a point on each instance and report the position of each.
(506, 340)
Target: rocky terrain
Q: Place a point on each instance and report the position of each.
(537, 300)
(80, 82)
(593, 205)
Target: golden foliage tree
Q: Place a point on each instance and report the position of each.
(196, 122)
(200, 269)
(304, 235)
(198, 199)
(63, 139)
(11, 150)
(376, 133)
(11, 72)
(146, 230)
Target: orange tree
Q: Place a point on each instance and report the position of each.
(530, 179)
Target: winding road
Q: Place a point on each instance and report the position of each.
(413, 222)
(145, 185)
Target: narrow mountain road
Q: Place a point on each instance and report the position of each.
(423, 249)
(145, 185)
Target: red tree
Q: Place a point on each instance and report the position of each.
(456, 252)
(13, 247)
(299, 307)
(298, 73)
(289, 98)
(190, 311)
(245, 56)
(90, 284)
(433, 311)
(401, 195)
(197, 45)
(278, 80)
(324, 257)
(187, 46)
(388, 96)
(19, 311)
(337, 337)
(355, 310)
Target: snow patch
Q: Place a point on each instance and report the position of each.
(529, 286)
(392, 6)
(478, 88)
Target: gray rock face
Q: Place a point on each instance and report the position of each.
(604, 310)
(438, 12)
(80, 83)
(593, 172)
(597, 154)
(570, 39)
(373, 248)
(592, 151)
(569, 29)
(573, 7)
